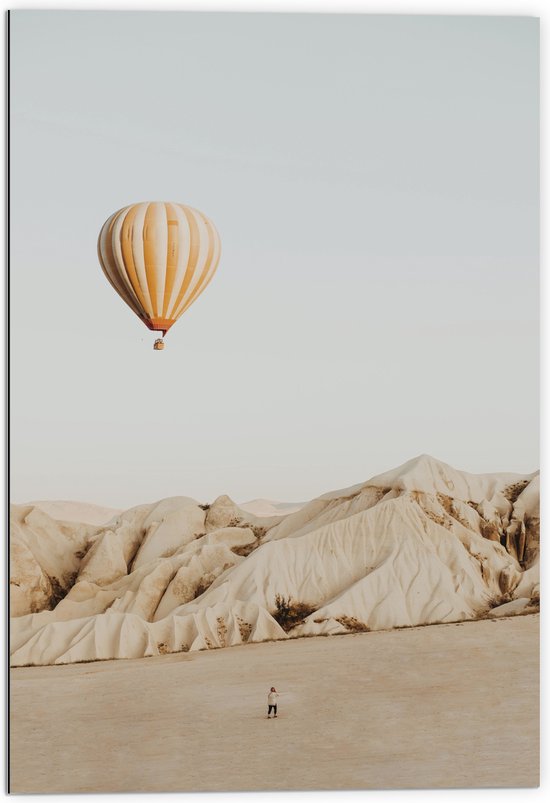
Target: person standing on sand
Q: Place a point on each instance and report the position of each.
(272, 702)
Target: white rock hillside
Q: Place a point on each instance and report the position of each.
(418, 545)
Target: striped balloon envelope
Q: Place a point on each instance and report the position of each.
(159, 257)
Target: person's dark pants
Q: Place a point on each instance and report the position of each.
(274, 707)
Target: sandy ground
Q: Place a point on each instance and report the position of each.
(439, 706)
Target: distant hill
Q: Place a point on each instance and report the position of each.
(82, 512)
(266, 507)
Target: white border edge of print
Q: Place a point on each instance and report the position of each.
(476, 7)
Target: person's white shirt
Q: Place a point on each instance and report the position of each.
(272, 698)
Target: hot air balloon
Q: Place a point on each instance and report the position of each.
(159, 257)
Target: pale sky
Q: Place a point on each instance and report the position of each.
(374, 181)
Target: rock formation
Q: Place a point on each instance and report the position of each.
(422, 544)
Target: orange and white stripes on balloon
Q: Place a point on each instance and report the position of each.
(159, 257)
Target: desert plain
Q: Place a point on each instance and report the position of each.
(451, 705)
